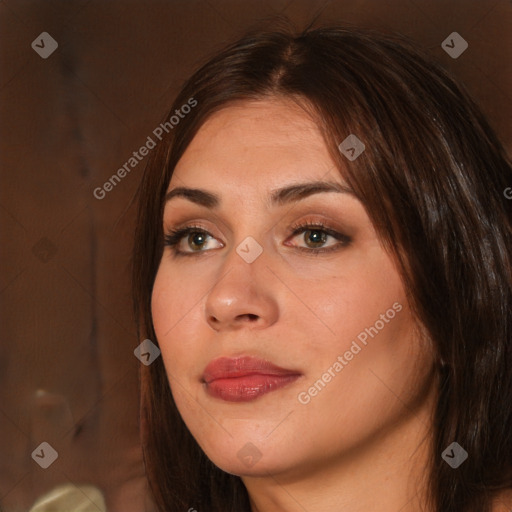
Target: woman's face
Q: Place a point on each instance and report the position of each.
(324, 304)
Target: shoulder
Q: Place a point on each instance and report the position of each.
(503, 501)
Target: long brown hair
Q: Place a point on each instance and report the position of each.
(432, 179)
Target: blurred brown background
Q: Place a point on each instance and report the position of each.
(67, 123)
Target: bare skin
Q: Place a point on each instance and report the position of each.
(361, 441)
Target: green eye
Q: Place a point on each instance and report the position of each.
(317, 235)
(196, 240)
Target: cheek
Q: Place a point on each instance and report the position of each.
(175, 295)
(374, 333)
(173, 314)
(355, 300)
(163, 305)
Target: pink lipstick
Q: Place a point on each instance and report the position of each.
(242, 379)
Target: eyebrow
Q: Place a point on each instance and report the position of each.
(278, 197)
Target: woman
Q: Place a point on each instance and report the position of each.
(323, 258)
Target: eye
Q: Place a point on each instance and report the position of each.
(316, 236)
(196, 240)
(193, 240)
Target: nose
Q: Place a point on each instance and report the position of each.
(243, 297)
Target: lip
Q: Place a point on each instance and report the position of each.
(243, 379)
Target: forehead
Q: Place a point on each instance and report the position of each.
(255, 143)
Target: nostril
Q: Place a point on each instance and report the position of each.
(251, 317)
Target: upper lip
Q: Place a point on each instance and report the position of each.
(231, 367)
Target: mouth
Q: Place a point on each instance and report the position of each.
(243, 379)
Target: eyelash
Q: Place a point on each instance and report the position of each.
(173, 238)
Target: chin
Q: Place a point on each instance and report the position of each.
(234, 466)
(250, 458)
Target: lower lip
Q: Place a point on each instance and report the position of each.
(247, 388)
